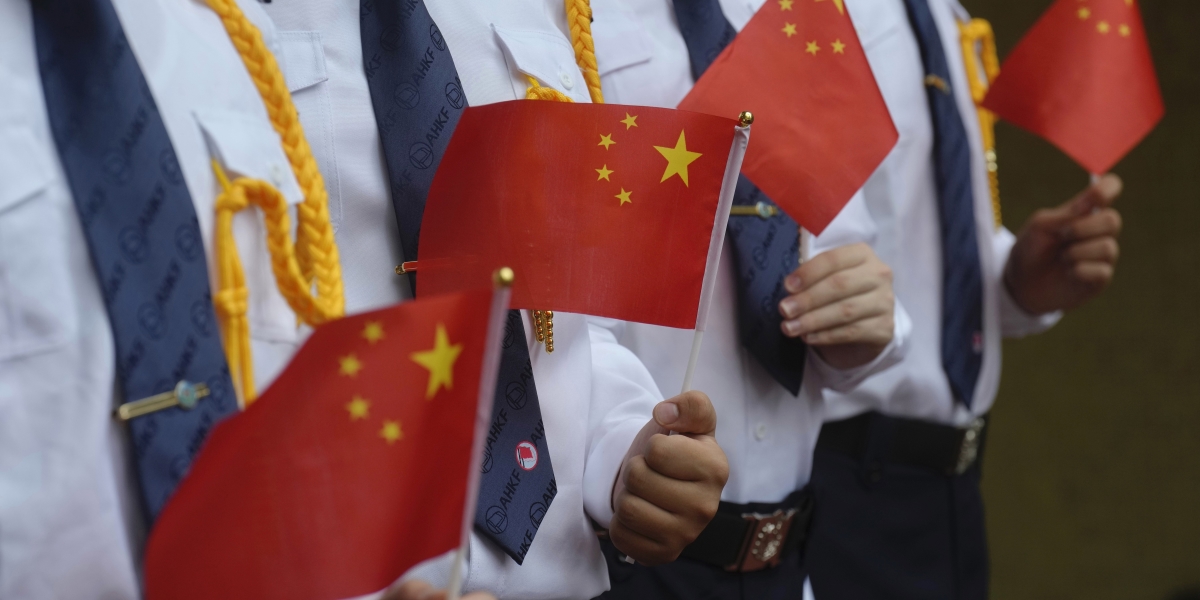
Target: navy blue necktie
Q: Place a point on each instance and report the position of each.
(418, 100)
(766, 249)
(141, 231)
(962, 275)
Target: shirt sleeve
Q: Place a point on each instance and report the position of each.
(623, 398)
(852, 226)
(1014, 321)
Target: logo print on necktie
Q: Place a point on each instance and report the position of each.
(527, 456)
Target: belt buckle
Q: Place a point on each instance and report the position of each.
(764, 544)
(969, 450)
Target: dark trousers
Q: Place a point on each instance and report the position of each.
(895, 532)
(690, 580)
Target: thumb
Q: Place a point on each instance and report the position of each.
(689, 412)
(1098, 195)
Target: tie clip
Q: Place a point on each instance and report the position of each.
(761, 209)
(185, 395)
(937, 82)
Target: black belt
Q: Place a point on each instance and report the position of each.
(751, 537)
(946, 449)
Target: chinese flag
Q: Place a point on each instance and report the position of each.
(600, 209)
(1083, 79)
(350, 469)
(821, 126)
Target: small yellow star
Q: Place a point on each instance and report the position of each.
(373, 332)
(812, 48)
(785, 4)
(624, 196)
(1128, 2)
(789, 29)
(440, 362)
(1123, 30)
(604, 173)
(606, 141)
(839, 47)
(1084, 13)
(678, 159)
(1102, 27)
(391, 432)
(840, 4)
(629, 121)
(350, 365)
(358, 408)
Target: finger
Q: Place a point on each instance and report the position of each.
(1105, 222)
(1098, 274)
(838, 286)
(644, 517)
(1099, 195)
(683, 458)
(479, 596)
(637, 546)
(878, 330)
(1104, 249)
(839, 314)
(413, 589)
(689, 412)
(825, 264)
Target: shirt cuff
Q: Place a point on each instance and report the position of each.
(603, 464)
(844, 380)
(1014, 321)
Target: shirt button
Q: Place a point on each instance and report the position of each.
(760, 432)
(277, 175)
(567, 81)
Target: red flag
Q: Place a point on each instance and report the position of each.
(822, 125)
(1083, 79)
(600, 209)
(350, 469)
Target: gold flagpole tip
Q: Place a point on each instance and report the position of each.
(503, 277)
(746, 119)
(399, 269)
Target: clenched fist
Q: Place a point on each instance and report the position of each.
(669, 486)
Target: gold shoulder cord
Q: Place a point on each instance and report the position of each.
(979, 46)
(313, 257)
(579, 18)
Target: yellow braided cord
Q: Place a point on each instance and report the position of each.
(537, 91)
(314, 254)
(579, 20)
(979, 46)
(316, 248)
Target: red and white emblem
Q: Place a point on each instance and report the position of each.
(527, 455)
(977, 342)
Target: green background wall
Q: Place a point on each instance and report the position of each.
(1092, 474)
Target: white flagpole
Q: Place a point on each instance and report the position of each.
(483, 417)
(805, 244)
(733, 167)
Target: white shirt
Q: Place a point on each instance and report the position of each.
(493, 44)
(902, 198)
(767, 433)
(70, 515)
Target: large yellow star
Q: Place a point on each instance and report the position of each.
(785, 4)
(841, 6)
(373, 332)
(629, 121)
(624, 197)
(839, 47)
(812, 48)
(358, 408)
(391, 432)
(350, 365)
(606, 141)
(678, 159)
(789, 29)
(604, 173)
(439, 361)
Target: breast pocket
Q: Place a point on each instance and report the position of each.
(37, 238)
(308, 80)
(547, 58)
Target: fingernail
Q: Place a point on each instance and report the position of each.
(666, 413)
(792, 283)
(791, 328)
(789, 308)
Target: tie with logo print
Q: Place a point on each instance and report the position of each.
(962, 274)
(141, 231)
(766, 247)
(418, 99)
